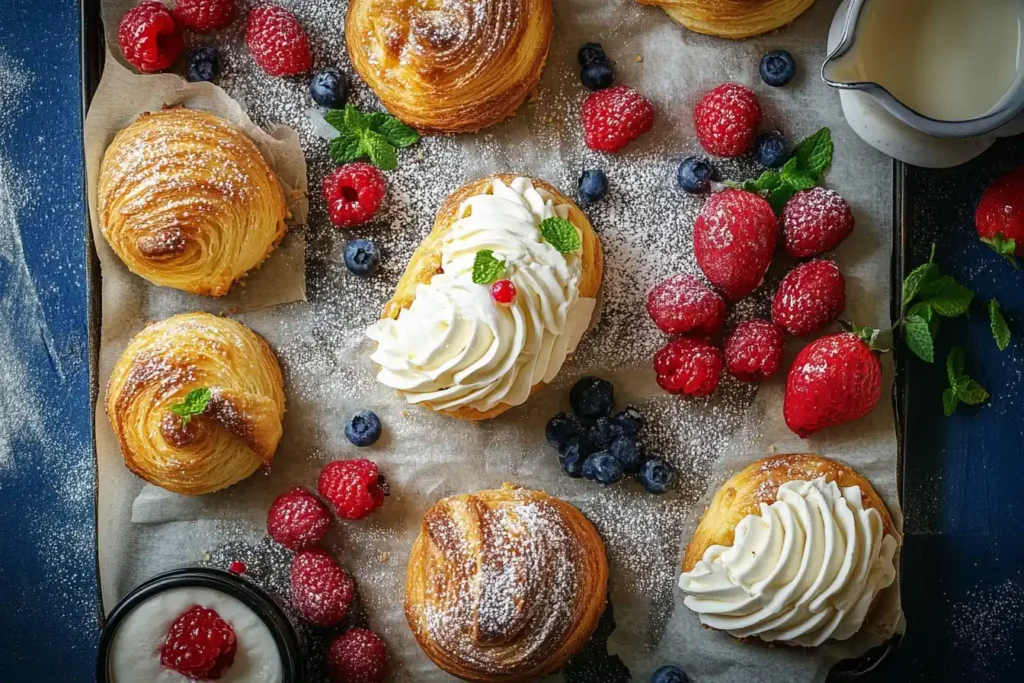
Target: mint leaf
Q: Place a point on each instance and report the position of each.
(487, 268)
(336, 117)
(377, 148)
(346, 148)
(962, 389)
(814, 154)
(1000, 330)
(561, 234)
(376, 119)
(973, 394)
(918, 335)
(1004, 247)
(920, 276)
(195, 403)
(949, 402)
(955, 365)
(947, 296)
(355, 120)
(794, 177)
(397, 133)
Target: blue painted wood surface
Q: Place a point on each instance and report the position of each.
(963, 558)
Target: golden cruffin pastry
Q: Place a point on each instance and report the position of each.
(732, 18)
(186, 200)
(450, 67)
(505, 585)
(426, 262)
(239, 429)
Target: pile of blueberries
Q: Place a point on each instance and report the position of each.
(594, 444)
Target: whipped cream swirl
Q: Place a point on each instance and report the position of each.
(455, 346)
(804, 571)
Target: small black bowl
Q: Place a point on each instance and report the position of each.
(293, 664)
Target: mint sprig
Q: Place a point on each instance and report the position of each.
(195, 403)
(802, 171)
(561, 234)
(375, 136)
(962, 389)
(487, 268)
(928, 295)
(1000, 330)
(1007, 248)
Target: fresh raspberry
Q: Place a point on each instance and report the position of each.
(149, 37)
(835, 379)
(277, 41)
(753, 352)
(200, 645)
(682, 303)
(615, 116)
(357, 656)
(815, 221)
(1001, 213)
(297, 519)
(727, 119)
(204, 15)
(688, 365)
(354, 193)
(810, 297)
(354, 487)
(733, 240)
(321, 590)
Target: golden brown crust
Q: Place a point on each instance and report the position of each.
(450, 67)
(426, 262)
(732, 18)
(505, 585)
(186, 200)
(241, 427)
(759, 483)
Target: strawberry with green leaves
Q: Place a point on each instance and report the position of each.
(999, 218)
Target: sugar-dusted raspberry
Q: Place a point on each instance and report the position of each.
(734, 240)
(688, 365)
(682, 303)
(727, 119)
(354, 487)
(199, 645)
(149, 37)
(357, 656)
(277, 41)
(204, 15)
(353, 193)
(753, 352)
(615, 116)
(321, 590)
(815, 221)
(810, 297)
(297, 519)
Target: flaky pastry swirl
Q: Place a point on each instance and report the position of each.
(186, 200)
(450, 65)
(732, 18)
(505, 584)
(241, 426)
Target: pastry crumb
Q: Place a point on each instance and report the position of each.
(639, 58)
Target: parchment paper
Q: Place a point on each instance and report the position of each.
(645, 227)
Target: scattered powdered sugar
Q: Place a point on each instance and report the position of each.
(987, 624)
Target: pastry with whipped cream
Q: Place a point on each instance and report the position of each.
(794, 549)
(446, 341)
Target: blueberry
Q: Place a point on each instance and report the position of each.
(777, 68)
(560, 428)
(603, 468)
(571, 462)
(203, 64)
(592, 397)
(630, 421)
(597, 76)
(363, 429)
(670, 674)
(362, 257)
(590, 53)
(657, 475)
(593, 185)
(577, 444)
(628, 453)
(770, 148)
(603, 432)
(694, 175)
(329, 88)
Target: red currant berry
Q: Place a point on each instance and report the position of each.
(237, 567)
(504, 292)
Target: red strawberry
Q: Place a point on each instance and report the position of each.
(321, 590)
(149, 37)
(810, 297)
(297, 519)
(688, 365)
(357, 656)
(815, 221)
(615, 116)
(753, 352)
(834, 380)
(277, 41)
(682, 303)
(200, 645)
(727, 119)
(204, 15)
(1000, 214)
(733, 239)
(354, 487)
